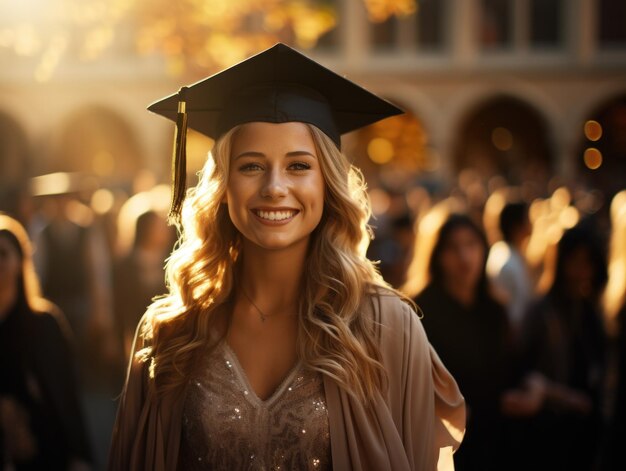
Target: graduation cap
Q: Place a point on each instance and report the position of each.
(62, 183)
(277, 85)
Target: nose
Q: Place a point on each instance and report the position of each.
(274, 185)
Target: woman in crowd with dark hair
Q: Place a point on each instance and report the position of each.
(469, 329)
(41, 421)
(563, 346)
(279, 345)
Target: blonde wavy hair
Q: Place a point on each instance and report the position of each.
(334, 338)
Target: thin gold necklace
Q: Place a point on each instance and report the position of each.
(262, 314)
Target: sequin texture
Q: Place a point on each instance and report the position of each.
(227, 426)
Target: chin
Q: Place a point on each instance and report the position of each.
(282, 244)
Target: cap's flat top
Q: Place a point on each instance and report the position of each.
(350, 106)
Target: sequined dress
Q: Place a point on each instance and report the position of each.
(227, 426)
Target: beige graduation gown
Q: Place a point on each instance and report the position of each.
(416, 425)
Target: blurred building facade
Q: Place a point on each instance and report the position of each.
(520, 89)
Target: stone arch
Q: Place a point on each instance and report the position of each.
(97, 140)
(504, 135)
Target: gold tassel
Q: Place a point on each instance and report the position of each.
(179, 162)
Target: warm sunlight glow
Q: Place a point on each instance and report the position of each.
(380, 150)
(380, 10)
(102, 201)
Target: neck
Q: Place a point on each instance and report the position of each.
(8, 297)
(272, 278)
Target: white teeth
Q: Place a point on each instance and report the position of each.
(275, 215)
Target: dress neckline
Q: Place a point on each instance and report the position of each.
(249, 392)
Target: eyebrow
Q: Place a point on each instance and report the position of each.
(295, 153)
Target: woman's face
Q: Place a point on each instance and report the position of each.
(10, 263)
(462, 257)
(275, 191)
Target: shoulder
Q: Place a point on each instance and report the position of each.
(49, 330)
(391, 307)
(48, 316)
(396, 318)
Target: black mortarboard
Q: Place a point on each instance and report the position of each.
(277, 85)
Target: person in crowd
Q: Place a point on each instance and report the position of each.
(469, 329)
(506, 264)
(614, 302)
(41, 418)
(275, 319)
(563, 347)
(138, 275)
(74, 266)
(391, 247)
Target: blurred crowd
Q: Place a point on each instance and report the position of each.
(97, 260)
(521, 292)
(523, 296)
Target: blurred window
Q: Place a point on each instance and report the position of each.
(330, 40)
(546, 26)
(423, 31)
(496, 24)
(384, 35)
(612, 23)
(431, 25)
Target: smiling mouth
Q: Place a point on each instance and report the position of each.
(275, 215)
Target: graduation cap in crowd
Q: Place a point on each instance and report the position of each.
(277, 85)
(61, 184)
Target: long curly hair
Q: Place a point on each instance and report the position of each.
(333, 337)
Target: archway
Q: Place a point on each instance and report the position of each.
(504, 136)
(98, 141)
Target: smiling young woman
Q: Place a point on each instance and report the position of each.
(275, 192)
(279, 345)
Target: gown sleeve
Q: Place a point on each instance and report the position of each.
(423, 395)
(418, 423)
(146, 434)
(131, 413)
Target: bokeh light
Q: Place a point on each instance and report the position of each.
(593, 130)
(380, 150)
(593, 158)
(502, 139)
